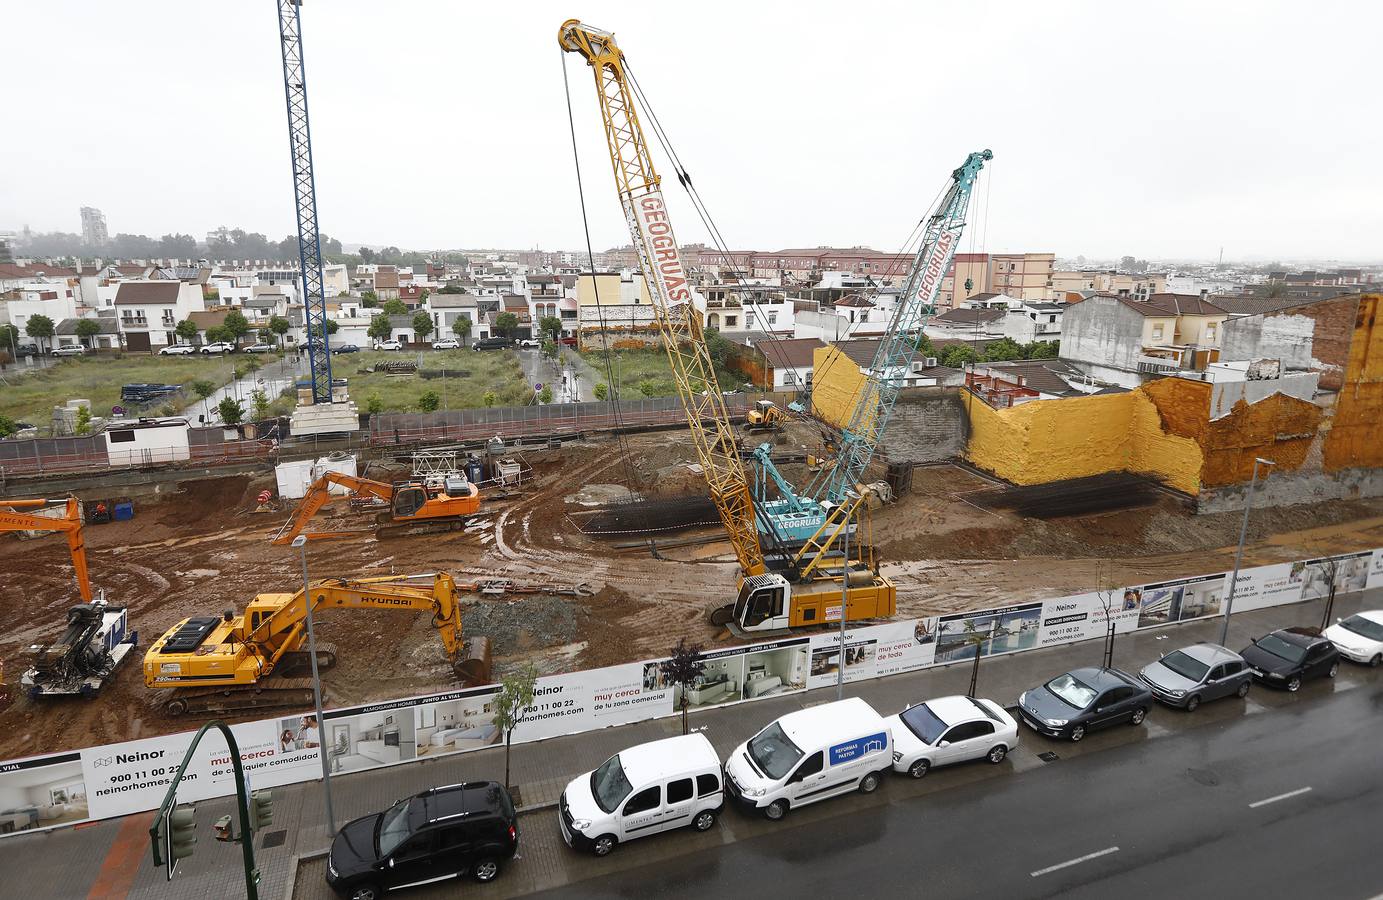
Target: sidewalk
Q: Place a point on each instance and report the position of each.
(272, 379)
(71, 862)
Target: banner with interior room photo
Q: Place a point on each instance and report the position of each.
(1178, 601)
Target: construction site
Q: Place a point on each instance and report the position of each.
(957, 540)
(451, 564)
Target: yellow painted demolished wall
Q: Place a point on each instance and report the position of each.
(837, 383)
(1053, 440)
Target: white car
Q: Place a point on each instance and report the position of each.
(446, 344)
(76, 350)
(530, 342)
(218, 347)
(260, 348)
(178, 350)
(388, 345)
(950, 730)
(1360, 637)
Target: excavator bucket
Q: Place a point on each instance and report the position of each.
(473, 662)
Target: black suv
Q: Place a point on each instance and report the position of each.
(1287, 657)
(441, 833)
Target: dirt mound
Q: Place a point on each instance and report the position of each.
(203, 499)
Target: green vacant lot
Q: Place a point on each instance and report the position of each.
(31, 397)
(647, 373)
(460, 378)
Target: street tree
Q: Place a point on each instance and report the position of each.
(236, 325)
(422, 324)
(602, 391)
(380, 329)
(186, 330)
(1330, 568)
(39, 327)
(259, 402)
(395, 308)
(507, 324)
(217, 334)
(279, 326)
(9, 336)
(203, 389)
(545, 395)
(682, 668)
(230, 410)
(87, 329)
(551, 326)
(549, 349)
(977, 639)
(369, 299)
(462, 328)
(83, 423)
(513, 705)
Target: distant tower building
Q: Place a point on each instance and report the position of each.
(94, 232)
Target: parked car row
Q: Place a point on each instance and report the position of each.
(811, 755)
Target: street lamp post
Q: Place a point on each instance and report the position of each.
(1243, 536)
(301, 543)
(844, 601)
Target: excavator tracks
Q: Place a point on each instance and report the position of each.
(269, 693)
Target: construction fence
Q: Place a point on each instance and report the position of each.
(131, 777)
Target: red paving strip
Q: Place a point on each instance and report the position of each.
(123, 860)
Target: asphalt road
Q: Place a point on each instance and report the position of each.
(1198, 813)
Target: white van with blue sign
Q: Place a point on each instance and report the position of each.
(810, 755)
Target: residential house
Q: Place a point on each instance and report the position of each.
(386, 284)
(1126, 341)
(149, 311)
(1023, 276)
(967, 278)
(65, 333)
(615, 306)
(775, 363)
(447, 308)
(1068, 286)
(975, 322)
(1036, 320)
(517, 304)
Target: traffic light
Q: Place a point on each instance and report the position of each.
(174, 834)
(223, 830)
(261, 809)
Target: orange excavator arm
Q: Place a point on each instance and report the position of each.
(70, 524)
(318, 495)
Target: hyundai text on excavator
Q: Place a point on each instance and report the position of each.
(97, 638)
(257, 659)
(781, 588)
(416, 506)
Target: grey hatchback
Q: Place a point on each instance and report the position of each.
(1194, 674)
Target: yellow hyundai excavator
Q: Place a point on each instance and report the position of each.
(416, 506)
(258, 659)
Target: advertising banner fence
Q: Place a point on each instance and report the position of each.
(61, 789)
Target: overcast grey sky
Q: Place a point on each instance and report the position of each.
(1160, 130)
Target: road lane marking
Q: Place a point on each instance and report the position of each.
(1079, 859)
(1296, 793)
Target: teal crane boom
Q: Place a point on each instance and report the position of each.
(888, 371)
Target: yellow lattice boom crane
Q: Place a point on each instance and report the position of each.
(768, 599)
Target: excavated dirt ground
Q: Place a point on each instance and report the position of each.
(205, 550)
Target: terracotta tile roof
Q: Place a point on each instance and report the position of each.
(386, 280)
(794, 353)
(1175, 305)
(8, 270)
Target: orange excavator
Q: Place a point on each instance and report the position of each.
(70, 524)
(97, 638)
(416, 505)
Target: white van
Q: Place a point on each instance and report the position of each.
(809, 755)
(643, 790)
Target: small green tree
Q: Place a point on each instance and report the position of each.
(236, 325)
(279, 326)
(717, 346)
(217, 334)
(423, 295)
(462, 328)
(507, 324)
(88, 329)
(332, 327)
(647, 387)
(39, 327)
(1003, 350)
(682, 667)
(513, 704)
(958, 356)
(489, 398)
(545, 395)
(549, 349)
(380, 329)
(602, 391)
(230, 410)
(369, 299)
(83, 424)
(429, 401)
(550, 326)
(395, 308)
(203, 389)
(8, 426)
(186, 330)
(422, 324)
(374, 404)
(259, 402)
(9, 336)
